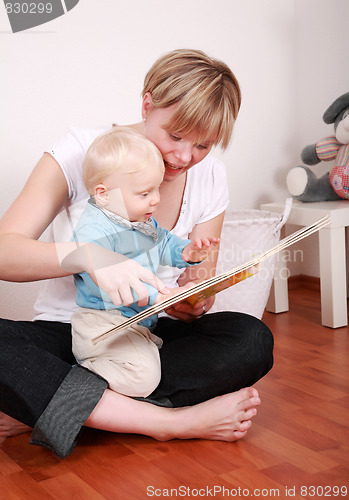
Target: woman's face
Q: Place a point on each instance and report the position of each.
(179, 152)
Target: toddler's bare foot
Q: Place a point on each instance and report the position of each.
(224, 418)
(10, 427)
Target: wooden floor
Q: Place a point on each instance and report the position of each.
(298, 446)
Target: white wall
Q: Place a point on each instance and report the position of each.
(87, 68)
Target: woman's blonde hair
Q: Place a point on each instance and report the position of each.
(112, 150)
(206, 91)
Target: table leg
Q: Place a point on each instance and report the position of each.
(333, 277)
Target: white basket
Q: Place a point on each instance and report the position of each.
(245, 235)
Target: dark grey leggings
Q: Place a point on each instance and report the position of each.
(217, 354)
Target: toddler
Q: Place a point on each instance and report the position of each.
(122, 171)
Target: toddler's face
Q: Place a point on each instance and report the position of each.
(134, 196)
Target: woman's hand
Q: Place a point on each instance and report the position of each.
(183, 310)
(187, 312)
(196, 274)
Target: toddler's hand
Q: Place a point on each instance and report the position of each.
(254, 269)
(199, 249)
(172, 291)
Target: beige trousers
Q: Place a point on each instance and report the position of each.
(128, 360)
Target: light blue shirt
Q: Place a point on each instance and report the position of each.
(95, 227)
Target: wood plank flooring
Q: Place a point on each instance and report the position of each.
(297, 447)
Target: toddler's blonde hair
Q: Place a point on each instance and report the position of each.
(111, 151)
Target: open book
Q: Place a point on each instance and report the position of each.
(218, 283)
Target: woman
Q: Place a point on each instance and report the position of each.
(190, 103)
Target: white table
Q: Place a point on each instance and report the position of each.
(332, 255)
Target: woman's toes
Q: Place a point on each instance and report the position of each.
(239, 435)
(244, 426)
(247, 415)
(249, 403)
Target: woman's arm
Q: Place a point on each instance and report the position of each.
(24, 258)
(201, 272)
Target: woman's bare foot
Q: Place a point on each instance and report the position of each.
(10, 427)
(224, 418)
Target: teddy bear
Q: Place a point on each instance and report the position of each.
(302, 183)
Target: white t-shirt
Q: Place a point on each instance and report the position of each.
(205, 196)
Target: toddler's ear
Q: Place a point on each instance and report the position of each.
(101, 195)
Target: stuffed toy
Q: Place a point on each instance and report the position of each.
(302, 183)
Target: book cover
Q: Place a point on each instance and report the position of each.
(218, 283)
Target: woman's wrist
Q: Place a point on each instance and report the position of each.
(86, 257)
